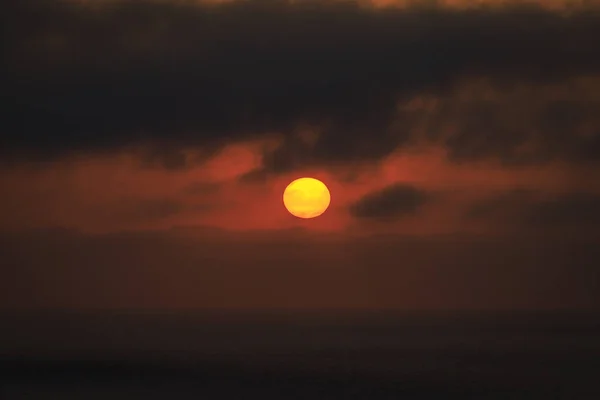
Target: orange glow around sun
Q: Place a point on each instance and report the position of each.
(306, 198)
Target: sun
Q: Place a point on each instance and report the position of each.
(306, 198)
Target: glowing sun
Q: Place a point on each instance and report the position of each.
(306, 198)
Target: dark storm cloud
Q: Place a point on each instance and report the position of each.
(94, 78)
(391, 202)
(569, 128)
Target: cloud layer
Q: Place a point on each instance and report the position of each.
(389, 203)
(174, 75)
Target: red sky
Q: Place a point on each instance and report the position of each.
(145, 155)
(113, 192)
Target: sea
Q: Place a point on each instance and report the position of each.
(299, 355)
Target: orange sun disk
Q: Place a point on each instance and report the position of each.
(306, 198)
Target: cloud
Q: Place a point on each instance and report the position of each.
(391, 202)
(526, 124)
(505, 202)
(136, 210)
(202, 188)
(174, 74)
(574, 209)
(258, 175)
(579, 210)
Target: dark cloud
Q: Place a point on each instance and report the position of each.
(166, 158)
(391, 202)
(143, 210)
(517, 130)
(506, 202)
(580, 211)
(257, 175)
(202, 188)
(573, 209)
(92, 78)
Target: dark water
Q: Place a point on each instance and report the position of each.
(299, 356)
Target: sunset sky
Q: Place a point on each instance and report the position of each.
(145, 147)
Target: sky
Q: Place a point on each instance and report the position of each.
(145, 146)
